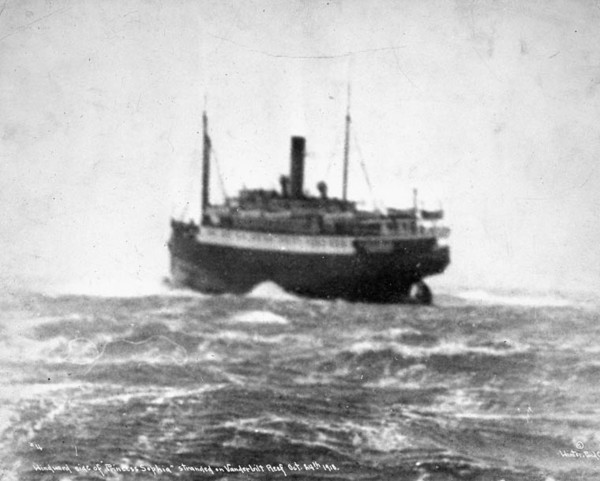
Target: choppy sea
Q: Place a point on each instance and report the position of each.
(184, 386)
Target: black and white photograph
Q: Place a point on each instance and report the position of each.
(299, 239)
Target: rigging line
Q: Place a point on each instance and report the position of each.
(219, 175)
(364, 169)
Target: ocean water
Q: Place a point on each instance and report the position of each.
(184, 386)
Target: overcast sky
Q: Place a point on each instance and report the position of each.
(491, 108)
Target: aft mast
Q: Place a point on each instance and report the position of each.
(205, 201)
(346, 149)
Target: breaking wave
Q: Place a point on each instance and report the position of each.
(270, 290)
(258, 317)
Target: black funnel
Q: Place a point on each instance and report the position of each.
(297, 167)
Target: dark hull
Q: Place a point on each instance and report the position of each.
(364, 276)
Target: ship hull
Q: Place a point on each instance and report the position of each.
(362, 274)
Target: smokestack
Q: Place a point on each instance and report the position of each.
(297, 167)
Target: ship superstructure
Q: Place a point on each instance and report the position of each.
(312, 245)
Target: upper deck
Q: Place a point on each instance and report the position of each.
(272, 212)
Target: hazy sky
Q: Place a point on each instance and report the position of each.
(491, 108)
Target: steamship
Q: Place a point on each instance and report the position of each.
(311, 245)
